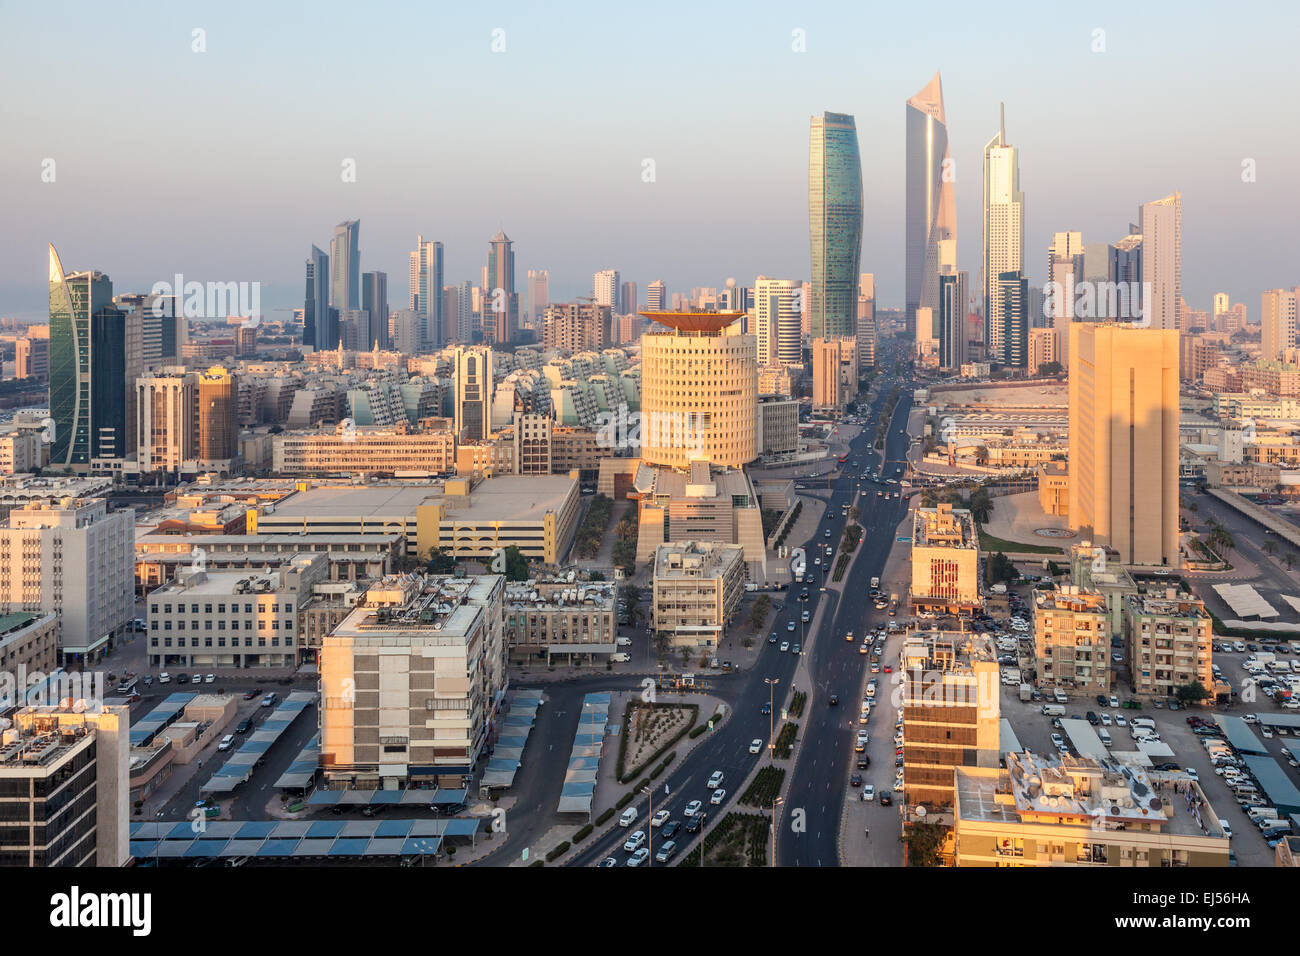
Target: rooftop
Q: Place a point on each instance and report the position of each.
(694, 559)
(410, 606)
(694, 321)
(944, 527)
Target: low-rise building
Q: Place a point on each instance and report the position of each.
(363, 450)
(697, 588)
(1054, 488)
(1169, 637)
(549, 617)
(1072, 641)
(29, 644)
(412, 681)
(1078, 811)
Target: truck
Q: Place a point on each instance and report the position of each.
(875, 582)
(1026, 692)
(1053, 710)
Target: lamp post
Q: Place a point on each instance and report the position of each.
(771, 683)
(650, 829)
(776, 802)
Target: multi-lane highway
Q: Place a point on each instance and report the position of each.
(821, 773)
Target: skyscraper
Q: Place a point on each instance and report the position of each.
(777, 321)
(345, 266)
(866, 329)
(656, 296)
(1013, 289)
(374, 300)
(1124, 439)
(1278, 320)
(834, 223)
(1004, 228)
(218, 428)
(320, 328)
(426, 290)
(931, 202)
(628, 295)
(539, 294)
(1064, 272)
(501, 307)
(87, 368)
(605, 288)
(1126, 276)
(953, 314)
(1161, 222)
(472, 371)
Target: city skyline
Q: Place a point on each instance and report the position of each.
(1079, 181)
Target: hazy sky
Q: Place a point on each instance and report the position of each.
(225, 165)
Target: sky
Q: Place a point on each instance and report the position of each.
(226, 164)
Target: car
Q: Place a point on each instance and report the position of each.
(806, 617)
(889, 669)
(795, 650)
(789, 626)
(756, 746)
(671, 829)
(834, 699)
(771, 638)
(715, 780)
(624, 642)
(1191, 772)
(718, 796)
(634, 842)
(1250, 718)
(875, 667)
(1266, 732)
(659, 819)
(766, 708)
(226, 742)
(1057, 741)
(785, 645)
(855, 780)
(863, 648)
(1105, 719)
(196, 679)
(181, 679)
(692, 809)
(639, 856)
(694, 823)
(666, 852)
(269, 700)
(863, 762)
(245, 726)
(210, 679)
(868, 793)
(628, 818)
(1120, 721)
(608, 861)
(886, 800)
(898, 785)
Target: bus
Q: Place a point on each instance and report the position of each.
(843, 458)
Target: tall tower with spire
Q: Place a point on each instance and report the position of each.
(931, 200)
(1004, 226)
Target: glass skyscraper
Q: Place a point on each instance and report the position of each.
(834, 224)
(931, 202)
(87, 368)
(345, 266)
(320, 323)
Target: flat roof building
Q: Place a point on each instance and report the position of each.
(1072, 641)
(945, 560)
(546, 617)
(697, 589)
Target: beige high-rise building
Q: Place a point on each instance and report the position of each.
(1124, 440)
(166, 407)
(699, 390)
(1072, 641)
(1042, 349)
(945, 560)
(218, 431)
(1169, 636)
(1161, 224)
(1277, 325)
(827, 394)
(866, 321)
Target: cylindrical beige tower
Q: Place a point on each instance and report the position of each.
(699, 390)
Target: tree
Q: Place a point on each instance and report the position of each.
(924, 843)
(1289, 558)
(999, 569)
(516, 564)
(632, 594)
(440, 562)
(1192, 693)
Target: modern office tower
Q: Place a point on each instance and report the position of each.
(656, 296)
(501, 308)
(472, 371)
(320, 329)
(76, 558)
(66, 776)
(159, 327)
(834, 224)
(430, 646)
(87, 368)
(605, 289)
(578, 327)
(1072, 641)
(32, 355)
(953, 320)
(1126, 277)
(1221, 305)
(1170, 641)
(1161, 222)
(1096, 267)
(465, 314)
(374, 300)
(218, 426)
(450, 313)
(925, 344)
(951, 715)
(699, 390)
(1014, 289)
(931, 202)
(407, 327)
(539, 294)
(866, 326)
(166, 411)
(627, 300)
(1004, 229)
(945, 561)
(354, 330)
(1064, 272)
(777, 316)
(345, 266)
(1278, 322)
(426, 290)
(1124, 440)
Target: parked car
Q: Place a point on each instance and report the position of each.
(226, 742)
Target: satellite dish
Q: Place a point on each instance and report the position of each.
(920, 810)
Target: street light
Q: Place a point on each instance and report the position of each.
(650, 829)
(771, 683)
(776, 802)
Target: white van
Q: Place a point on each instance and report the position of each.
(1261, 813)
(1146, 722)
(620, 658)
(628, 818)
(1104, 736)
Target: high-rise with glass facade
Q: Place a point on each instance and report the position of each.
(1004, 227)
(345, 266)
(834, 223)
(320, 322)
(501, 302)
(87, 368)
(931, 201)
(426, 290)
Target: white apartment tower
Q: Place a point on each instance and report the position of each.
(1004, 227)
(1161, 223)
(605, 288)
(778, 321)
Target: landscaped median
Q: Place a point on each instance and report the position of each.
(649, 729)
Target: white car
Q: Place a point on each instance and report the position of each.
(715, 781)
(628, 818)
(692, 808)
(718, 796)
(1105, 720)
(635, 841)
(226, 742)
(785, 646)
(756, 746)
(864, 737)
(1266, 732)
(1227, 828)
(639, 856)
(659, 819)
(1120, 721)
(1114, 701)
